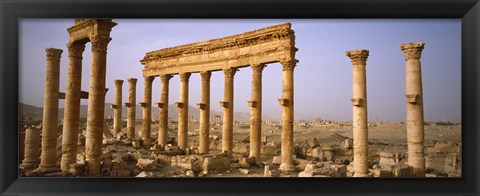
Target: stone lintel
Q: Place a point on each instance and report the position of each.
(83, 95)
(283, 102)
(252, 104)
(127, 104)
(357, 101)
(159, 105)
(201, 106)
(142, 104)
(113, 106)
(61, 95)
(224, 104)
(179, 104)
(412, 98)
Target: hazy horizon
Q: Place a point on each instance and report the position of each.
(323, 76)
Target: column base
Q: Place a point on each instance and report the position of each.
(29, 165)
(360, 175)
(284, 167)
(44, 170)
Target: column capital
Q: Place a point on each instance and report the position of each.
(132, 81)
(257, 67)
(99, 43)
(75, 49)
(118, 82)
(165, 77)
(230, 72)
(206, 75)
(288, 65)
(412, 50)
(53, 54)
(184, 76)
(358, 57)
(148, 79)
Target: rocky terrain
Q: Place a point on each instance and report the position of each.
(321, 150)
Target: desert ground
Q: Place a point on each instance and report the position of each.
(322, 149)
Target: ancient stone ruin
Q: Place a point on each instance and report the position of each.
(188, 147)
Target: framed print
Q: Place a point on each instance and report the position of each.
(222, 97)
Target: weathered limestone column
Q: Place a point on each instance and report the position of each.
(183, 113)
(117, 108)
(287, 117)
(132, 90)
(96, 104)
(32, 149)
(256, 112)
(227, 104)
(147, 111)
(163, 105)
(415, 129)
(50, 110)
(71, 118)
(360, 120)
(204, 107)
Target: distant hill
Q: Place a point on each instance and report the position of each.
(36, 113)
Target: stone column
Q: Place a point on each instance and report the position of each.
(96, 104)
(32, 149)
(227, 104)
(117, 108)
(183, 113)
(163, 105)
(131, 109)
(50, 110)
(71, 118)
(414, 94)
(360, 120)
(147, 111)
(256, 112)
(204, 107)
(287, 117)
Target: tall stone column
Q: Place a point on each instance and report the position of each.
(183, 113)
(32, 149)
(117, 108)
(256, 112)
(147, 111)
(415, 129)
(360, 120)
(204, 107)
(132, 91)
(287, 117)
(163, 105)
(50, 110)
(71, 118)
(227, 104)
(96, 104)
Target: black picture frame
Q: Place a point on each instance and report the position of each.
(11, 11)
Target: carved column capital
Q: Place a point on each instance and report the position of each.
(288, 65)
(206, 75)
(132, 81)
(99, 43)
(53, 54)
(358, 57)
(118, 83)
(148, 80)
(185, 76)
(165, 78)
(230, 72)
(257, 68)
(412, 50)
(75, 49)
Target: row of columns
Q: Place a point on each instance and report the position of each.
(414, 117)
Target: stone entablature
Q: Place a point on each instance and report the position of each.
(267, 45)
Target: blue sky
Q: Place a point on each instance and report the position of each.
(323, 77)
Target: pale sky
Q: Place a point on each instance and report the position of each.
(323, 77)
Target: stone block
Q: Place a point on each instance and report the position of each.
(403, 171)
(190, 173)
(317, 153)
(306, 174)
(277, 160)
(244, 171)
(312, 142)
(338, 170)
(310, 167)
(146, 164)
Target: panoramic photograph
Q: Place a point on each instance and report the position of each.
(217, 98)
